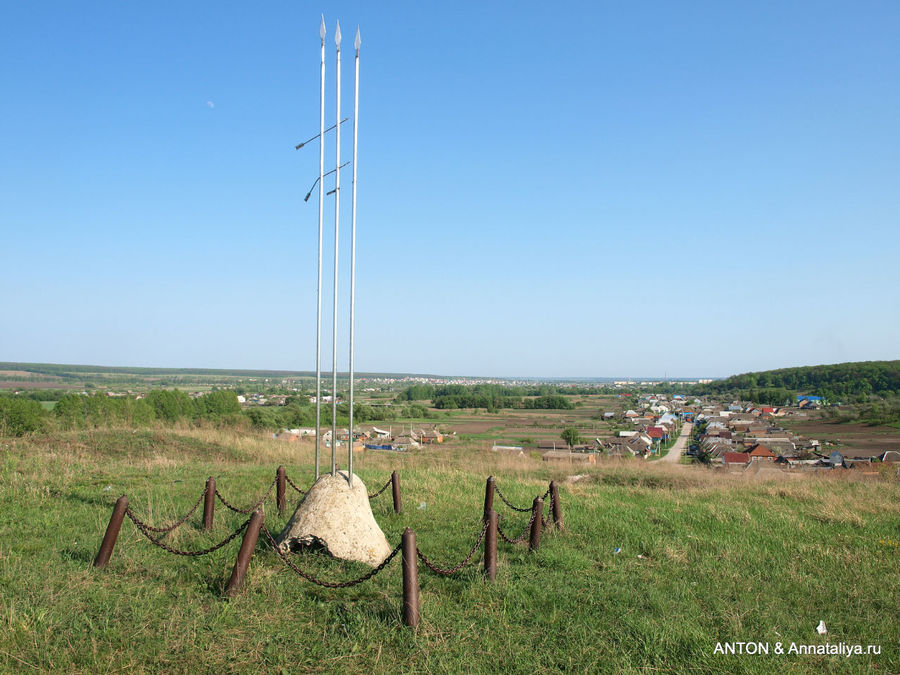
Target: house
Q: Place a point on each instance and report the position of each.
(760, 453)
(631, 413)
(658, 433)
(735, 459)
(433, 436)
(404, 443)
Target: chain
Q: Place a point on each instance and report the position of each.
(166, 530)
(522, 536)
(252, 508)
(291, 483)
(330, 584)
(546, 494)
(549, 519)
(143, 528)
(390, 480)
(447, 572)
(508, 503)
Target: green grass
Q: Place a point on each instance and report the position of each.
(719, 561)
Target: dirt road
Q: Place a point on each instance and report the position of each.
(675, 451)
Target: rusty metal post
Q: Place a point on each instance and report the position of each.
(209, 503)
(410, 579)
(112, 532)
(490, 547)
(488, 496)
(395, 490)
(279, 490)
(248, 545)
(537, 513)
(557, 508)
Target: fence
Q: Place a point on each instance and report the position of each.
(251, 528)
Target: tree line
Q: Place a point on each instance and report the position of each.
(21, 414)
(490, 396)
(848, 382)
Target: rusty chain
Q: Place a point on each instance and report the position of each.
(522, 536)
(507, 502)
(549, 519)
(146, 532)
(250, 509)
(386, 485)
(546, 494)
(452, 570)
(330, 584)
(178, 523)
(291, 483)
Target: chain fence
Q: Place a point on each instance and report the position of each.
(549, 519)
(452, 570)
(146, 531)
(293, 485)
(522, 536)
(251, 509)
(384, 487)
(329, 584)
(507, 502)
(178, 523)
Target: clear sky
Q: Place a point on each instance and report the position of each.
(545, 189)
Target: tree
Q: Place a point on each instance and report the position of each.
(570, 436)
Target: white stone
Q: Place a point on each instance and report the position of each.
(338, 517)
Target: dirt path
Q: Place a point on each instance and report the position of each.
(675, 451)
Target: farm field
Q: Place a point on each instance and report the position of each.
(702, 559)
(852, 439)
(533, 427)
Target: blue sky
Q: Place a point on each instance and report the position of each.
(580, 189)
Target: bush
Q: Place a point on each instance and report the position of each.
(19, 416)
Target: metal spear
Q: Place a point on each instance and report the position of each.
(337, 220)
(356, 44)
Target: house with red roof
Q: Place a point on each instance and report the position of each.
(760, 453)
(736, 459)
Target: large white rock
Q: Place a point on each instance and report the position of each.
(339, 517)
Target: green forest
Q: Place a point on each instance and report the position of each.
(854, 382)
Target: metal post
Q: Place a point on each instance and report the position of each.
(321, 207)
(490, 547)
(248, 545)
(410, 579)
(337, 221)
(537, 512)
(557, 508)
(112, 532)
(488, 496)
(209, 503)
(356, 44)
(395, 490)
(279, 489)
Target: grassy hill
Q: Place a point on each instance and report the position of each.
(703, 559)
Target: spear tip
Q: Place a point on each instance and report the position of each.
(337, 34)
(357, 42)
(322, 28)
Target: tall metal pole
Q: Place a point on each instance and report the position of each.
(337, 220)
(356, 44)
(321, 206)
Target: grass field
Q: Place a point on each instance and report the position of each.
(704, 559)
